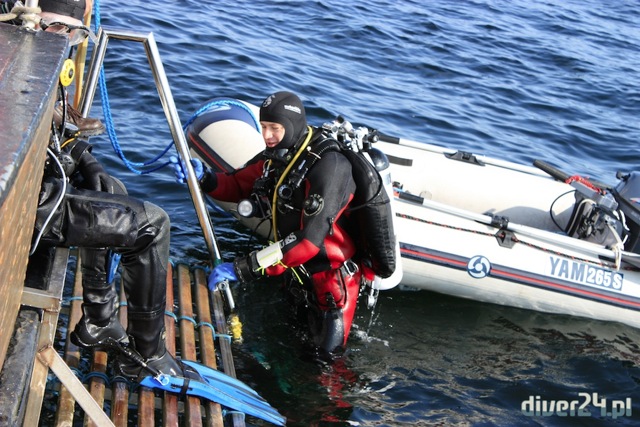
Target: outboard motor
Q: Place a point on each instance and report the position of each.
(627, 194)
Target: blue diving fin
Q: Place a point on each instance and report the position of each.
(217, 387)
(207, 383)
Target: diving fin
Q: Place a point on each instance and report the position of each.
(207, 383)
(237, 399)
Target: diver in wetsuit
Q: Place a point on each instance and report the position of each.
(313, 230)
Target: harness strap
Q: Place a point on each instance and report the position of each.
(349, 268)
(283, 176)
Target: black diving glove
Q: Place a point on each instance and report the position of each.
(94, 176)
(247, 268)
(209, 181)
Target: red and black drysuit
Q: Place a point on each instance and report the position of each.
(313, 231)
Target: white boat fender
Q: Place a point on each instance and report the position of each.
(219, 127)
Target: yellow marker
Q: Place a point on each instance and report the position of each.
(67, 73)
(235, 326)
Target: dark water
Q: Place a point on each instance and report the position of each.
(519, 80)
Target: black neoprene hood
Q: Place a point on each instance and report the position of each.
(286, 109)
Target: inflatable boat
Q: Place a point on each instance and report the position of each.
(475, 227)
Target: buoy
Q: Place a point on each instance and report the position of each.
(225, 133)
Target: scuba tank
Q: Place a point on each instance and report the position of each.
(381, 163)
(375, 192)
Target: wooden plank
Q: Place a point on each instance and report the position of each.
(170, 400)
(225, 345)
(50, 358)
(174, 412)
(66, 402)
(207, 345)
(146, 407)
(120, 389)
(97, 384)
(222, 328)
(187, 339)
(48, 327)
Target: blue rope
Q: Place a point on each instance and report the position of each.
(76, 372)
(217, 208)
(172, 315)
(106, 108)
(189, 318)
(96, 374)
(132, 166)
(213, 331)
(67, 301)
(121, 379)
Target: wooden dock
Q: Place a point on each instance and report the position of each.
(44, 378)
(29, 73)
(196, 330)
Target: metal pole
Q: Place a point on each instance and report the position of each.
(181, 144)
(170, 111)
(97, 58)
(164, 91)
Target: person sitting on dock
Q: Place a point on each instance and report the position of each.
(315, 243)
(94, 213)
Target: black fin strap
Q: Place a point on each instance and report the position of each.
(185, 387)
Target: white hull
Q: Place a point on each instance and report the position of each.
(443, 247)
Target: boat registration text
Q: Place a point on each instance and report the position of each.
(585, 274)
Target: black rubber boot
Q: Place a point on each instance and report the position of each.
(149, 343)
(145, 282)
(99, 325)
(327, 331)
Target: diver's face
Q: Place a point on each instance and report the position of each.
(272, 133)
